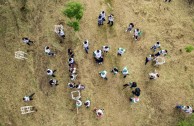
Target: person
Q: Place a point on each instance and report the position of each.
(149, 58)
(153, 75)
(103, 74)
(78, 103)
(121, 51)
(100, 20)
(136, 33)
(100, 60)
(136, 92)
(87, 103)
(48, 51)
(130, 84)
(71, 85)
(115, 70)
(73, 76)
(134, 99)
(155, 46)
(86, 46)
(125, 72)
(70, 53)
(99, 112)
(53, 82)
(28, 98)
(80, 86)
(167, 0)
(131, 26)
(110, 20)
(161, 52)
(61, 33)
(51, 72)
(72, 69)
(27, 41)
(105, 49)
(97, 54)
(71, 61)
(103, 16)
(186, 109)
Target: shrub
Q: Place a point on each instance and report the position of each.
(189, 48)
(74, 10)
(74, 24)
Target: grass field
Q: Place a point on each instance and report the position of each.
(170, 23)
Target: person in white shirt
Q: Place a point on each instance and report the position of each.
(28, 98)
(115, 70)
(110, 20)
(105, 49)
(136, 33)
(100, 20)
(98, 54)
(103, 74)
(71, 85)
(27, 41)
(134, 99)
(155, 46)
(53, 82)
(162, 52)
(131, 26)
(186, 109)
(103, 15)
(87, 103)
(153, 75)
(61, 33)
(99, 112)
(80, 86)
(149, 58)
(48, 51)
(125, 72)
(71, 61)
(73, 77)
(51, 72)
(86, 46)
(120, 51)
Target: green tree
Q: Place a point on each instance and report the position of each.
(74, 10)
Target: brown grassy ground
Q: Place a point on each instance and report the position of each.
(170, 23)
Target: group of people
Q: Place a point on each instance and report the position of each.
(137, 32)
(102, 18)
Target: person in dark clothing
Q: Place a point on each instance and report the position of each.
(131, 26)
(136, 92)
(149, 58)
(70, 53)
(130, 84)
(167, 0)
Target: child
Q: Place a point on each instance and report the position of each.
(80, 86)
(71, 85)
(130, 84)
(103, 74)
(131, 26)
(115, 70)
(97, 54)
(27, 41)
(71, 61)
(87, 103)
(100, 20)
(149, 58)
(28, 98)
(99, 112)
(48, 51)
(136, 33)
(86, 46)
(70, 53)
(105, 49)
(103, 15)
(53, 82)
(125, 72)
(134, 99)
(51, 72)
(155, 46)
(161, 52)
(153, 75)
(136, 92)
(110, 20)
(121, 51)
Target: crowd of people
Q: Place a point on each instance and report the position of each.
(99, 56)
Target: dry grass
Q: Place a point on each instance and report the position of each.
(170, 23)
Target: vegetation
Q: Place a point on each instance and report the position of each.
(74, 11)
(189, 48)
(187, 122)
(74, 24)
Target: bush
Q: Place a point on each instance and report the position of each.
(189, 48)
(74, 24)
(74, 10)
